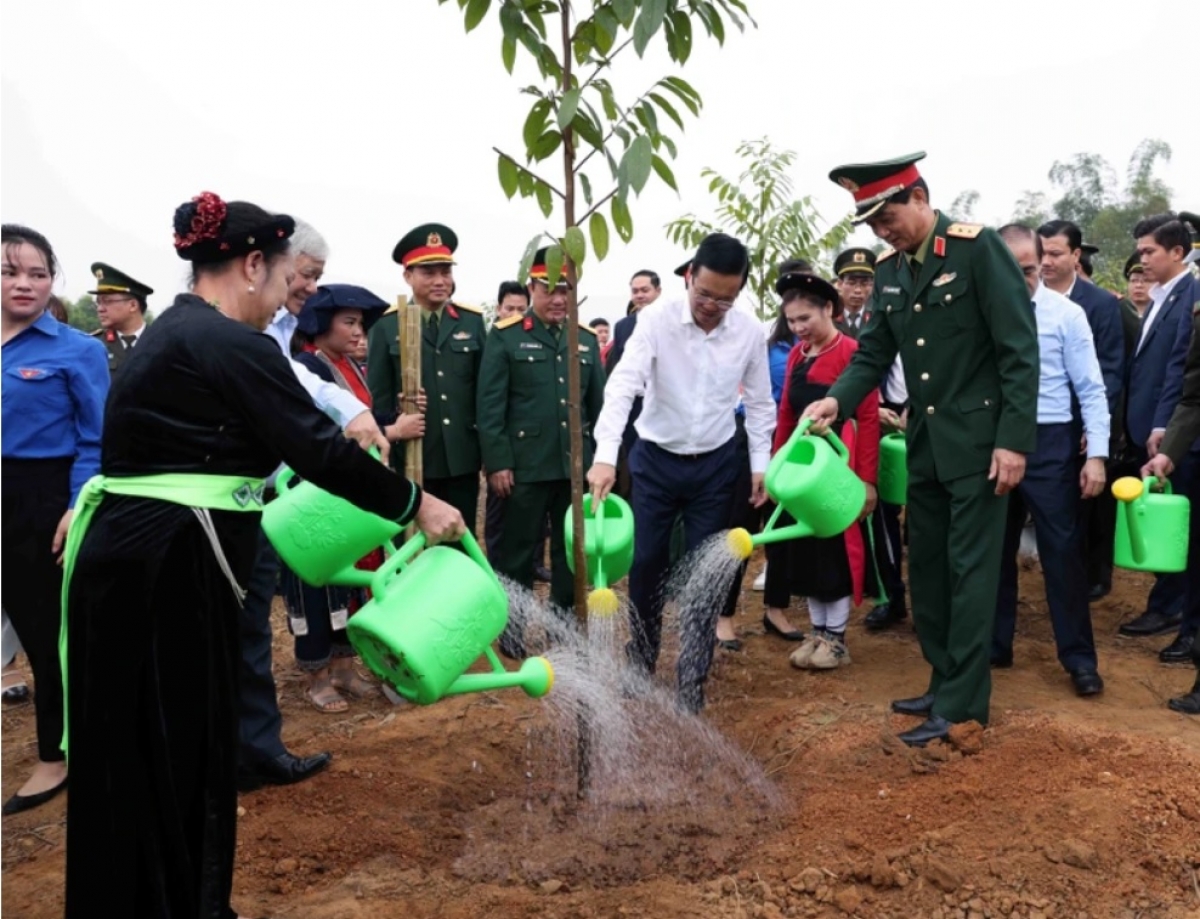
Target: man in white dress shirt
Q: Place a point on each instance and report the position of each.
(689, 356)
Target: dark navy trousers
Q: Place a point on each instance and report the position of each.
(259, 721)
(665, 486)
(1050, 493)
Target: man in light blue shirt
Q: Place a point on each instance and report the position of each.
(1054, 482)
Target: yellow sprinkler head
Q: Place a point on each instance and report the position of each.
(1127, 488)
(603, 602)
(740, 543)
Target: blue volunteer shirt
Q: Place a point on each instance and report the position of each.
(55, 381)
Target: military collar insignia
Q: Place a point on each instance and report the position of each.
(450, 310)
(939, 246)
(891, 290)
(462, 336)
(527, 324)
(531, 345)
(945, 279)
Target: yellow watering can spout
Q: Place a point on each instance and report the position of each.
(741, 543)
(603, 602)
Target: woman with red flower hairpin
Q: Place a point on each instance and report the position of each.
(158, 550)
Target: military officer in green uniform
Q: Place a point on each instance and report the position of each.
(523, 429)
(452, 338)
(953, 303)
(121, 303)
(854, 271)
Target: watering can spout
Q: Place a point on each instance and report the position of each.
(536, 677)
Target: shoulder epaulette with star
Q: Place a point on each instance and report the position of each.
(964, 230)
(885, 254)
(469, 309)
(394, 308)
(510, 321)
(586, 328)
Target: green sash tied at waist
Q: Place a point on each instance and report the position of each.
(195, 490)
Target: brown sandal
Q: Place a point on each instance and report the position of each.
(323, 693)
(351, 681)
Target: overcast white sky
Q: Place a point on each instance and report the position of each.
(370, 116)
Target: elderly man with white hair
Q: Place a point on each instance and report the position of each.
(263, 759)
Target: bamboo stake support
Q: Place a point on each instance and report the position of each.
(409, 330)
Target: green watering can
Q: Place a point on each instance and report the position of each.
(893, 469)
(608, 545)
(1152, 527)
(811, 479)
(320, 536)
(433, 615)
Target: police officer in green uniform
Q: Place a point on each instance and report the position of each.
(523, 429)
(121, 303)
(452, 338)
(953, 303)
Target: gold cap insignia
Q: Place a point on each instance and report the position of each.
(848, 184)
(99, 273)
(435, 239)
(860, 257)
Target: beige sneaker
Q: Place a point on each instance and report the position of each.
(829, 655)
(801, 658)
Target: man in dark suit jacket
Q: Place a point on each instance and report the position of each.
(1063, 252)
(1154, 382)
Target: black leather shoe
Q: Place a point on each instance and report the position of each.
(284, 769)
(918, 706)
(1002, 661)
(773, 629)
(15, 695)
(1087, 682)
(1187, 705)
(1149, 624)
(884, 615)
(1179, 651)
(18, 803)
(541, 573)
(935, 727)
(1098, 592)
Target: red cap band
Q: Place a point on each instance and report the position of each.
(904, 178)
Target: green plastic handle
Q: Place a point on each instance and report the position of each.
(598, 516)
(388, 570)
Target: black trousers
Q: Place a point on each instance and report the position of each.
(461, 491)
(1050, 492)
(35, 495)
(526, 510)
(259, 721)
(741, 512)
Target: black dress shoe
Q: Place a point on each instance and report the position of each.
(1150, 623)
(884, 615)
(15, 695)
(1179, 651)
(935, 727)
(773, 629)
(1087, 682)
(1098, 592)
(541, 573)
(18, 803)
(1187, 705)
(285, 769)
(918, 706)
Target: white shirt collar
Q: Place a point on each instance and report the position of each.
(1160, 292)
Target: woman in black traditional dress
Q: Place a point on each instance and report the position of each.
(205, 409)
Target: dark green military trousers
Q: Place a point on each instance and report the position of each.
(461, 492)
(524, 526)
(956, 535)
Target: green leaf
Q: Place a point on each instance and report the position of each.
(608, 101)
(587, 127)
(509, 177)
(544, 146)
(664, 172)
(510, 21)
(576, 245)
(648, 23)
(525, 182)
(508, 53)
(586, 184)
(670, 84)
(680, 42)
(545, 198)
(670, 145)
(621, 219)
(646, 115)
(527, 259)
(583, 41)
(535, 122)
(667, 107)
(625, 10)
(535, 17)
(567, 106)
(637, 160)
(554, 265)
(476, 10)
(598, 229)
